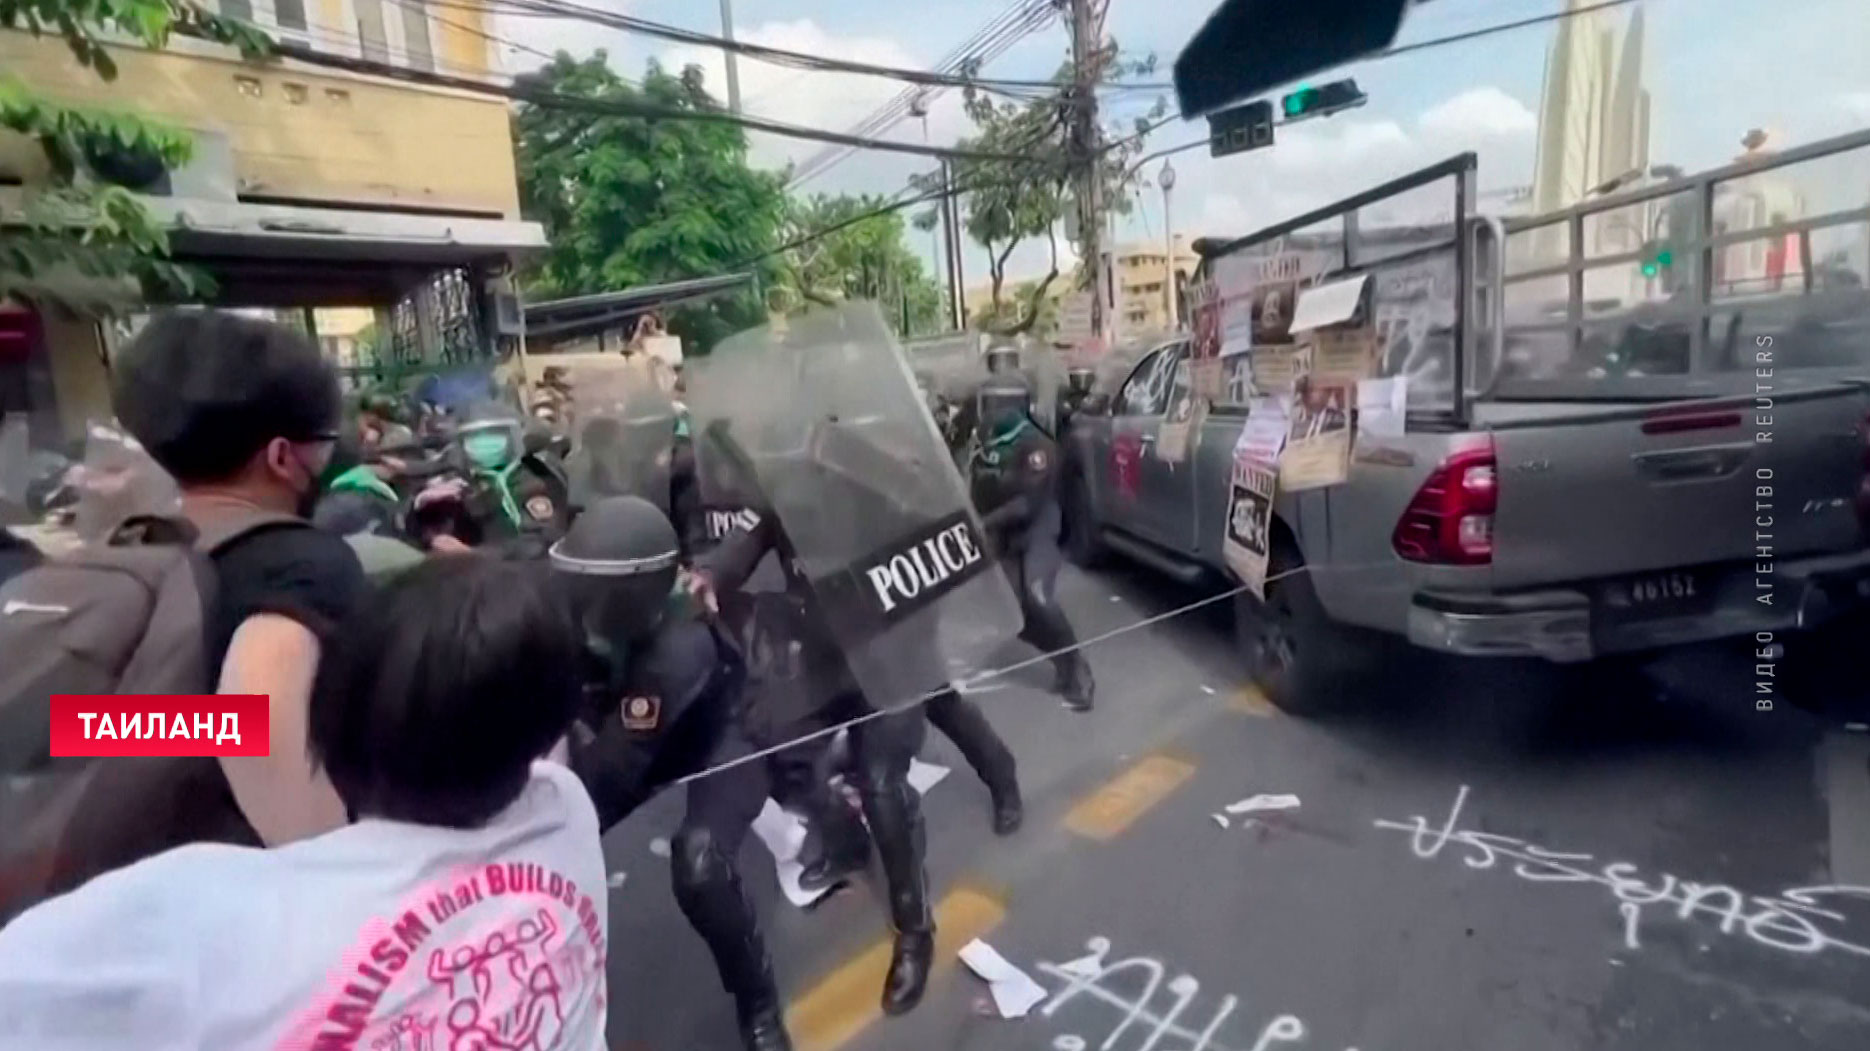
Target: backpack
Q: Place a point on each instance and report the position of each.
(129, 615)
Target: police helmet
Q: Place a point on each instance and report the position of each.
(1003, 359)
(621, 557)
(1003, 401)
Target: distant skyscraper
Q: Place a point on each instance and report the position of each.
(1593, 112)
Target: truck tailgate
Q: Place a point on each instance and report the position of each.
(1635, 489)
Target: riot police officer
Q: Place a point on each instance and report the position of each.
(516, 497)
(1014, 482)
(665, 687)
(1079, 380)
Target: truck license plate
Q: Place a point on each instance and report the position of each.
(1657, 594)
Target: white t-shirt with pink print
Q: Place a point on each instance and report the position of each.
(379, 936)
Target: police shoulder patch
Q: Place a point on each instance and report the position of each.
(541, 508)
(641, 713)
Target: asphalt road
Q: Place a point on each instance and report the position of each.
(1650, 869)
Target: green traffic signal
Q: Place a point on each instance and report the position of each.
(1649, 270)
(1301, 100)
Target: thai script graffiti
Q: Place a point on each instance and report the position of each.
(1130, 987)
(1789, 921)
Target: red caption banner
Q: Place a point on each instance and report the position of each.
(100, 725)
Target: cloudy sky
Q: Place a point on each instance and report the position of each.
(1715, 68)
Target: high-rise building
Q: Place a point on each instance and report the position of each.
(1593, 111)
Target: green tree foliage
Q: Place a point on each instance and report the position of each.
(628, 201)
(79, 230)
(1008, 202)
(868, 259)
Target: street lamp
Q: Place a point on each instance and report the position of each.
(1167, 181)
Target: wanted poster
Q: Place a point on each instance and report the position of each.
(1318, 442)
(1276, 370)
(1204, 301)
(1247, 539)
(1344, 354)
(1172, 437)
(1263, 436)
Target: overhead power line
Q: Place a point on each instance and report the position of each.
(521, 91)
(566, 9)
(989, 42)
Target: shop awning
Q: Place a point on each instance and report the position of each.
(292, 255)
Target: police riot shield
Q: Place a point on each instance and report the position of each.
(118, 481)
(1047, 374)
(625, 440)
(824, 426)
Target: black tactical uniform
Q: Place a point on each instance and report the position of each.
(517, 499)
(664, 692)
(882, 746)
(1014, 481)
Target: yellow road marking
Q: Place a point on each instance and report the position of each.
(1105, 813)
(847, 1000)
(1252, 701)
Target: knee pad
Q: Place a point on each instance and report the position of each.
(698, 858)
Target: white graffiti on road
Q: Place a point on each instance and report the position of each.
(1098, 978)
(1788, 921)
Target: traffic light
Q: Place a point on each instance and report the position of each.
(1321, 101)
(1243, 128)
(1656, 260)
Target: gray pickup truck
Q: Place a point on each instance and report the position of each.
(1624, 432)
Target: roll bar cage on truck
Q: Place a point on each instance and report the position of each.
(1632, 424)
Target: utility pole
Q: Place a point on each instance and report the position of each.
(733, 66)
(951, 234)
(1086, 60)
(1168, 236)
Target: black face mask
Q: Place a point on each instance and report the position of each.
(344, 456)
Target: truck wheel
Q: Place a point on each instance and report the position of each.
(1302, 661)
(1083, 545)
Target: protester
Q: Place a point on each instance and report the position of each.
(245, 415)
(467, 902)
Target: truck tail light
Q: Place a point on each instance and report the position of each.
(1450, 519)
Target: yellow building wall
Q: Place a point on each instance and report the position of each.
(299, 135)
(80, 380)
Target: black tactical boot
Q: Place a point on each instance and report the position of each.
(963, 722)
(764, 1029)
(1074, 682)
(709, 892)
(844, 843)
(896, 823)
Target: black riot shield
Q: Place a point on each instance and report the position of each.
(824, 427)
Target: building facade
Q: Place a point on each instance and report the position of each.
(310, 187)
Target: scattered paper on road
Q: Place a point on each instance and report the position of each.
(1014, 991)
(924, 776)
(660, 847)
(616, 879)
(784, 834)
(1221, 820)
(1209, 690)
(1264, 802)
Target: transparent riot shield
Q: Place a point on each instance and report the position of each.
(119, 481)
(1046, 372)
(625, 440)
(826, 427)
